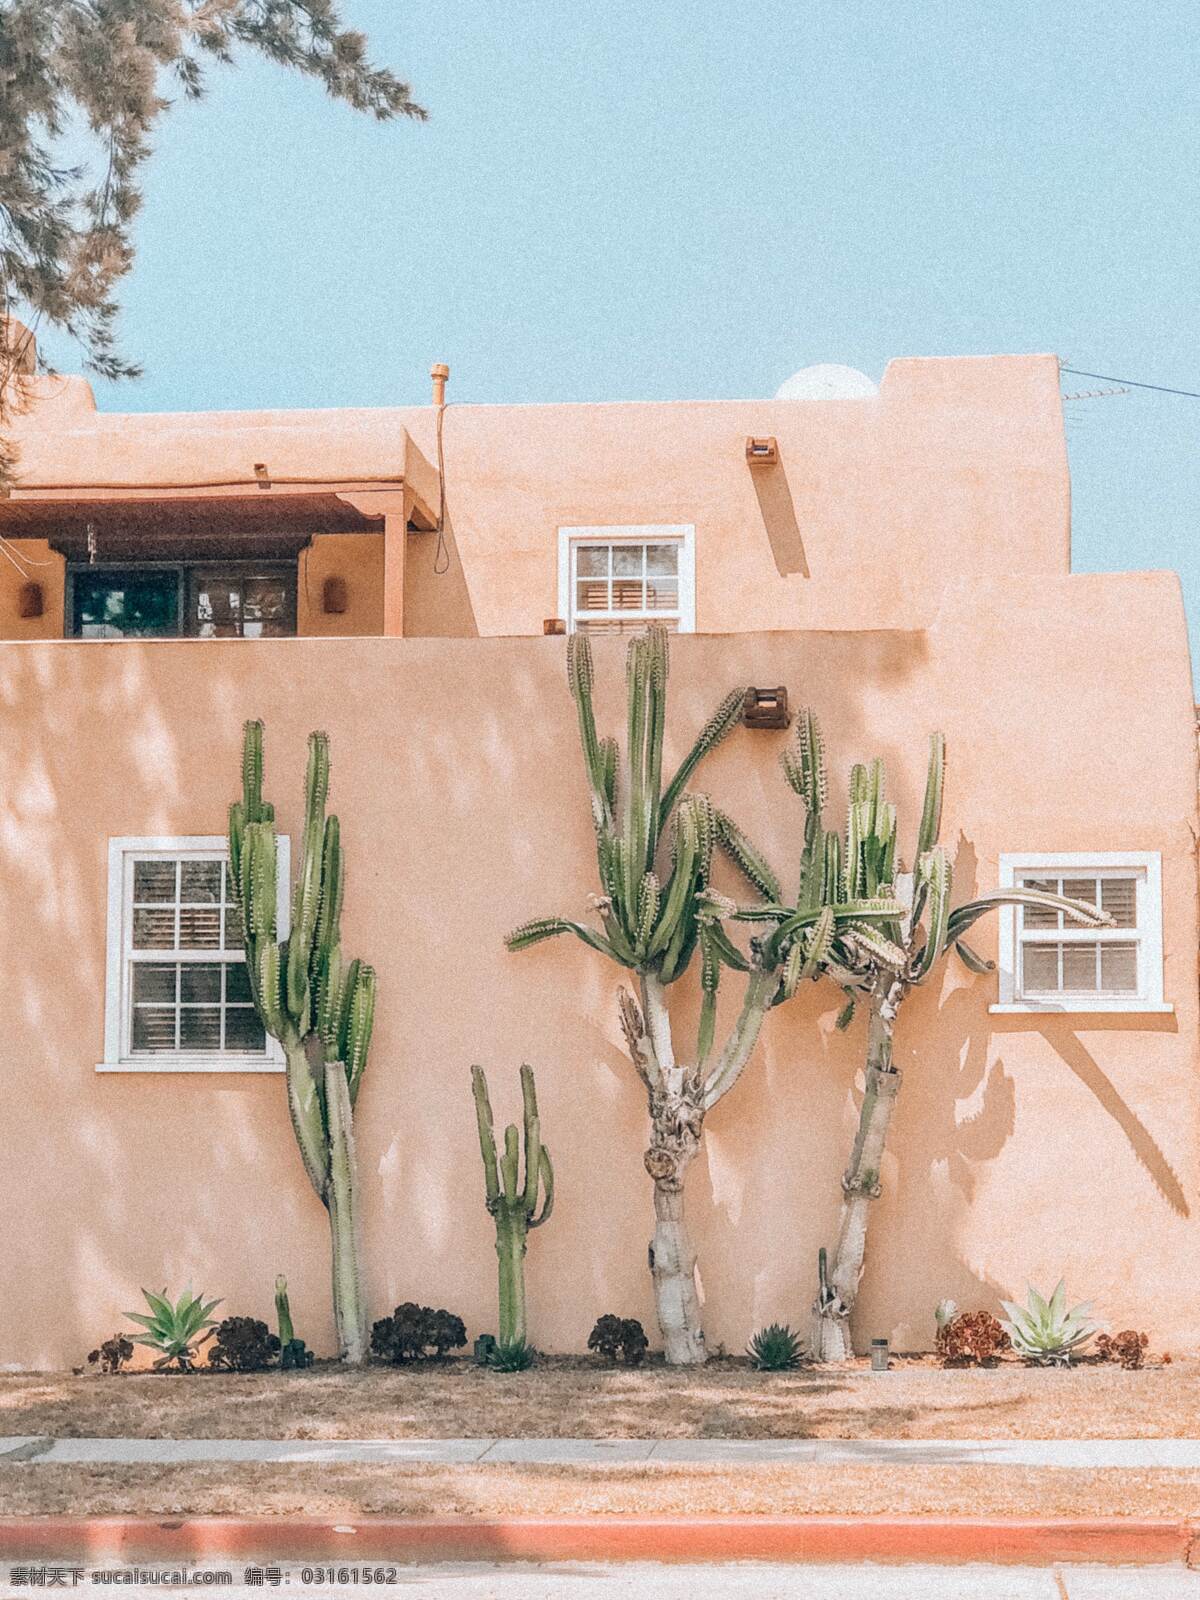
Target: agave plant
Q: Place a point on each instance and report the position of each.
(515, 1357)
(776, 1348)
(175, 1330)
(656, 909)
(1044, 1331)
(837, 930)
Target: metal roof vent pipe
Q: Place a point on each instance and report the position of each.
(439, 373)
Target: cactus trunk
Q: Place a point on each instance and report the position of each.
(831, 1340)
(510, 1253)
(349, 1307)
(673, 1257)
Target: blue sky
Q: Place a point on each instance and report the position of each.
(694, 200)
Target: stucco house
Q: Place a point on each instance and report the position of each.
(898, 557)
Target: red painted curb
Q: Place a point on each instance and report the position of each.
(1029, 1541)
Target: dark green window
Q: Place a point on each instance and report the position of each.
(209, 600)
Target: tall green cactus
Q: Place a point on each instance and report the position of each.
(876, 960)
(511, 1200)
(655, 910)
(319, 1007)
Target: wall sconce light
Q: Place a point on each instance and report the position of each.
(879, 1355)
(30, 600)
(261, 473)
(553, 625)
(334, 599)
(766, 708)
(762, 452)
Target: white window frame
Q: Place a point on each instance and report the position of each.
(1146, 865)
(117, 1056)
(681, 533)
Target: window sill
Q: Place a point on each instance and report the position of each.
(194, 1064)
(1096, 1008)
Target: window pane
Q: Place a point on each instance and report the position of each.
(1041, 917)
(154, 880)
(591, 561)
(628, 594)
(591, 596)
(243, 1031)
(125, 605)
(154, 928)
(1039, 963)
(153, 980)
(632, 624)
(1081, 889)
(662, 594)
(218, 607)
(662, 560)
(199, 981)
(1118, 896)
(153, 1028)
(237, 982)
(200, 927)
(233, 929)
(200, 1028)
(1079, 969)
(200, 880)
(266, 608)
(627, 560)
(1118, 968)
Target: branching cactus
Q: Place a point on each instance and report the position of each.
(876, 961)
(513, 1201)
(655, 909)
(319, 1007)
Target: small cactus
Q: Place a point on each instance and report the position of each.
(776, 1348)
(513, 1203)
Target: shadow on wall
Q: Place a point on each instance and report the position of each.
(779, 519)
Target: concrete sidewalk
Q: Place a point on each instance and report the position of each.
(1079, 1453)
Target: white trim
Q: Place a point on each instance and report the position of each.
(1148, 934)
(121, 852)
(683, 533)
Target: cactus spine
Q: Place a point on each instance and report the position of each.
(513, 1203)
(319, 1007)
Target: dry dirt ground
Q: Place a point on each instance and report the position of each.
(577, 1398)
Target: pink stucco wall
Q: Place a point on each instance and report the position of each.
(1023, 1147)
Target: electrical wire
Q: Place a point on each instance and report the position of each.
(1106, 377)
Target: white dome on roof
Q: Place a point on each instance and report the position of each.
(827, 381)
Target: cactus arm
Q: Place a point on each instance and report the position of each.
(487, 1136)
(966, 915)
(760, 990)
(931, 811)
(546, 1172)
(747, 858)
(361, 1027)
(972, 961)
(934, 874)
(306, 1108)
(654, 736)
(718, 727)
(510, 1163)
(540, 928)
(533, 1138)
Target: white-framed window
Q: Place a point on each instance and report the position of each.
(616, 580)
(177, 995)
(1049, 963)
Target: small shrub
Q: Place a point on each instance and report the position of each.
(619, 1339)
(1127, 1348)
(776, 1348)
(516, 1357)
(243, 1345)
(971, 1339)
(112, 1355)
(1045, 1332)
(412, 1332)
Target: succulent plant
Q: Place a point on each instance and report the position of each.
(969, 1338)
(1127, 1348)
(412, 1332)
(515, 1357)
(112, 1354)
(176, 1330)
(243, 1344)
(319, 1007)
(776, 1348)
(513, 1201)
(619, 1339)
(1045, 1332)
